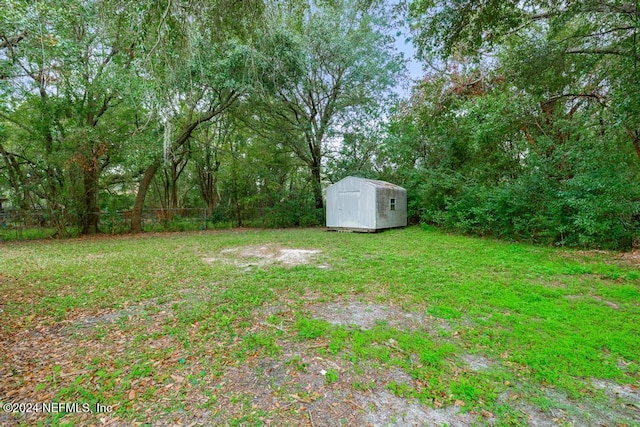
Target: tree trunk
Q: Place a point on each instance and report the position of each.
(317, 186)
(212, 195)
(91, 215)
(635, 139)
(173, 188)
(136, 213)
(208, 182)
(18, 182)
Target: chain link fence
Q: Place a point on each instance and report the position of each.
(19, 224)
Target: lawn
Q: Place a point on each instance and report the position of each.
(307, 327)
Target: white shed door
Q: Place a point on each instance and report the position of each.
(349, 208)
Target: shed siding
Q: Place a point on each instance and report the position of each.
(387, 218)
(347, 202)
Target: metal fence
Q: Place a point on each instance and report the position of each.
(39, 223)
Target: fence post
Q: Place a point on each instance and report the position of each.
(205, 219)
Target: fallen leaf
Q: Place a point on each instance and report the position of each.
(487, 414)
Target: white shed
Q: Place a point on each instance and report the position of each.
(360, 204)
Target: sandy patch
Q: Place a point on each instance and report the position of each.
(628, 393)
(583, 412)
(609, 304)
(386, 409)
(260, 256)
(366, 315)
(294, 390)
(477, 363)
(630, 258)
(612, 305)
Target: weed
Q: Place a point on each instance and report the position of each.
(297, 363)
(311, 328)
(363, 386)
(331, 376)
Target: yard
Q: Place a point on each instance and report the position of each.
(306, 327)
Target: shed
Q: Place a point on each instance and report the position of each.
(360, 204)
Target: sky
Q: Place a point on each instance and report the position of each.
(414, 67)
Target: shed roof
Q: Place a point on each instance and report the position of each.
(376, 182)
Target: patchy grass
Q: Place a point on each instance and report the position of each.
(383, 329)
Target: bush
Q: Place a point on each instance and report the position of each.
(595, 208)
(294, 212)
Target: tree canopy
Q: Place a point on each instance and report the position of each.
(525, 123)
(536, 108)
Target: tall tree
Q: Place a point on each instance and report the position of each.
(340, 61)
(570, 53)
(200, 70)
(529, 130)
(66, 67)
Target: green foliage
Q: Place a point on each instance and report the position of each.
(540, 142)
(311, 328)
(515, 162)
(331, 376)
(294, 212)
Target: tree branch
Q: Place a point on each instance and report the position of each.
(601, 51)
(11, 42)
(3, 116)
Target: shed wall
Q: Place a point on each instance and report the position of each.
(350, 205)
(385, 217)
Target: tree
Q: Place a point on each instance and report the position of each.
(528, 122)
(67, 69)
(199, 73)
(339, 62)
(588, 49)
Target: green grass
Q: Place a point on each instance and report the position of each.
(546, 318)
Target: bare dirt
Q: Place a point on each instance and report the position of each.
(260, 256)
(366, 315)
(477, 363)
(617, 410)
(296, 383)
(630, 258)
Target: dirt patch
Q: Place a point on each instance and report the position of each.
(366, 315)
(260, 256)
(386, 409)
(560, 410)
(294, 389)
(528, 413)
(291, 389)
(609, 304)
(477, 363)
(628, 393)
(612, 305)
(630, 258)
(104, 317)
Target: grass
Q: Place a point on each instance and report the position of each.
(548, 321)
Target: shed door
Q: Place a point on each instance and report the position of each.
(349, 208)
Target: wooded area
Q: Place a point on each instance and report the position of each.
(526, 124)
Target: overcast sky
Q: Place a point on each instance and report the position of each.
(414, 67)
